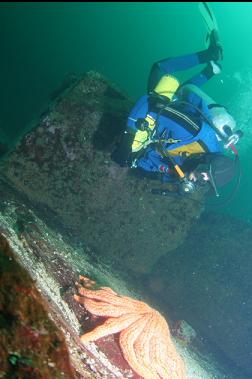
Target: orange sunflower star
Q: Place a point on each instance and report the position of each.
(144, 337)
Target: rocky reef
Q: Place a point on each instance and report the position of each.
(67, 209)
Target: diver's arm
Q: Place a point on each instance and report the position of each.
(151, 161)
(139, 110)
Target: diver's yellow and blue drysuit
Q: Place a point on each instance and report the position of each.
(171, 118)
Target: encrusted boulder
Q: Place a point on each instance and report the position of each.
(64, 166)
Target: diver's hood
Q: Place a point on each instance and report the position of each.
(222, 170)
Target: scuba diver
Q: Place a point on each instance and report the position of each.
(176, 132)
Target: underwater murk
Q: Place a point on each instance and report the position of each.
(99, 277)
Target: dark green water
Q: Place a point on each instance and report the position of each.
(42, 42)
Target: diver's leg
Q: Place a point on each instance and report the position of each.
(170, 65)
(206, 74)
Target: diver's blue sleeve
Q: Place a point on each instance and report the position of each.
(153, 162)
(150, 161)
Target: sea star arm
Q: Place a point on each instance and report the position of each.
(110, 326)
(127, 339)
(99, 308)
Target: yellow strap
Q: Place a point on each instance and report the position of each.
(191, 148)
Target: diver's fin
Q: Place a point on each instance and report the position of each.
(210, 20)
(208, 16)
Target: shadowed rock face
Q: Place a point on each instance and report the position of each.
(207, 281)
(63, 166)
